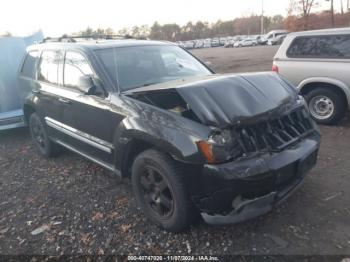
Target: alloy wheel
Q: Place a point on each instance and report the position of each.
(157, 193)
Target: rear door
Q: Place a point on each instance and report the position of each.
(47, 89)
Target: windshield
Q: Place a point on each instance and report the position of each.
(137, 66)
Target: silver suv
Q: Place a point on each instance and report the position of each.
(318, 63)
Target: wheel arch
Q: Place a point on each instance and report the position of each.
(27, 111)
(130, 152)
(130, 142)
(310, 84)
(139, 143)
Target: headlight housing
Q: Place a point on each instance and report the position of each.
(221, 147)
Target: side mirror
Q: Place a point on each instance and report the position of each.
(86, 84)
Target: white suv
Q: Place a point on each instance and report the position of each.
(318, 63)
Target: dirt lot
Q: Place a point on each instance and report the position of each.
(67, 205)
(228, 60)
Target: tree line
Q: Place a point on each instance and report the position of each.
(240, 26)
(300, 17)
(199, 30)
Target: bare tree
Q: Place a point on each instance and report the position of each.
(332, 12)
(303, 6)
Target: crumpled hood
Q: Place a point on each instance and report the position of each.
(227, 99)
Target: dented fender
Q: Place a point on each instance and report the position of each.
(161, 128)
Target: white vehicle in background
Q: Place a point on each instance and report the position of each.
(270, 37)
(12, 50)
(255, 41)
(199, 44)
(215, 42)
(207, 43)
(229, 43)
(223, 40)
(258, 39)
(180, 44)
(318, 63)
(245, 42)
(189, 44)
(279, 40)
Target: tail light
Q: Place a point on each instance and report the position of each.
(274, 68)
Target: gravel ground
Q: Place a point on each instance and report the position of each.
(67, 205)
(247, 59)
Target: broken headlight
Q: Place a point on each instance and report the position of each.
(221, 147)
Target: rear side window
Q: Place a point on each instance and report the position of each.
(75, 67)
(330, 46)
(48, 67)
(28, 68)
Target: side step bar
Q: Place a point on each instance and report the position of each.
(91, 158)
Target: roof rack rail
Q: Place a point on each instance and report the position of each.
(73, 39)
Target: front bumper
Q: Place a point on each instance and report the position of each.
(11, 119)
(244, 189)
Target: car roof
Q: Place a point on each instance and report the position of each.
(96, 44)
(345, 30)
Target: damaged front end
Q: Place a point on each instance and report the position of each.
(274, 158)
(261, 145)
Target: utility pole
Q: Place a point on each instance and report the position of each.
(341, 7)
(348, 7)
(262, 17)
(332, 11)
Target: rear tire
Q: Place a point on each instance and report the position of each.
(161, 192)
(38, 132)
(326, 106)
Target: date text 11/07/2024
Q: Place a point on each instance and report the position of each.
(173, 258)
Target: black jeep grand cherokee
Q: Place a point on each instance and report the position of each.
(228, 147)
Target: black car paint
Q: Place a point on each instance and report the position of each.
(123, 121)
(255, 184)
(256, 96)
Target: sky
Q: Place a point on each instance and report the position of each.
(57, 17)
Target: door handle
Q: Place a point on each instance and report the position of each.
(64, 100)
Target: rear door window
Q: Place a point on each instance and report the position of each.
(49, 66)
(28, 68)
(330, 46)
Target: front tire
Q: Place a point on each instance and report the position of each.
(40, 138)
(161, 192)
(326, 106)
